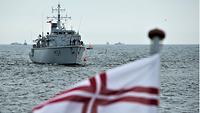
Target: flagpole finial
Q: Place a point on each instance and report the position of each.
(156, 35)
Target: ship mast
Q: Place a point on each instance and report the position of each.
(58, 18)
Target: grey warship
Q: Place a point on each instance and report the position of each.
(60, 46)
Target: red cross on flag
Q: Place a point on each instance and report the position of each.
(131, 88)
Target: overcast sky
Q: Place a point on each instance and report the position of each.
(126, 21)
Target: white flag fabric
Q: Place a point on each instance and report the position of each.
(130, 88)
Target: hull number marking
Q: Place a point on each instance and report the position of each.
(57, 53)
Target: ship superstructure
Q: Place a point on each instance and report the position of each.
(60, 46)
(25, 43)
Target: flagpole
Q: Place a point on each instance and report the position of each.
(156, 36)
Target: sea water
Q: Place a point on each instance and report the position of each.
(24, 84)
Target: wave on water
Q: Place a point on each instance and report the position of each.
(25, 84)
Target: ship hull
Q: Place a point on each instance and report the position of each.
(59, 55)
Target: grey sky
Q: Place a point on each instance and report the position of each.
(126, 21)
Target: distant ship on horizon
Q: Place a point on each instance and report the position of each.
(15, 43)
(119, 43)
(25, 43)
(107, 43)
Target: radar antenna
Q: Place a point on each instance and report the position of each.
(58, 17)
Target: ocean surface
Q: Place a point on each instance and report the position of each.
(24, 84)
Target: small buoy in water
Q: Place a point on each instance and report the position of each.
(85, 59)
(84, 49)
(106, 50)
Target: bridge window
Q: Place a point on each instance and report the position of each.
(54, 33)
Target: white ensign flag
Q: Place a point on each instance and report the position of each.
(131, 88)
